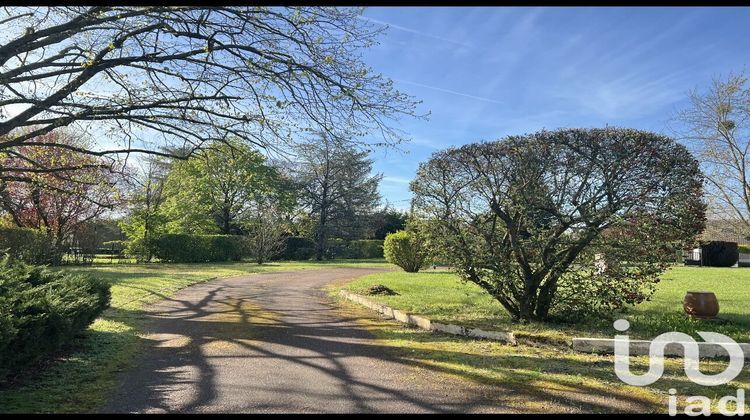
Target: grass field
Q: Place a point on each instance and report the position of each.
(78, 380)
(555, 371)
(443, 297)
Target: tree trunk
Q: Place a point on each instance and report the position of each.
(56, 249)
(544, 301)
(225, 229)
(320, 240)
(526, 308)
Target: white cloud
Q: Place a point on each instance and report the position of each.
(453, 92)
(415, 31)
(396, 180)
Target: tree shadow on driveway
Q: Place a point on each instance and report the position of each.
(276, 343)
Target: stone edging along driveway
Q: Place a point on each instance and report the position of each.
(579, 344)
(642, 347)
(427, 324)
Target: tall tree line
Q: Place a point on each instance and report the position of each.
(337, 188)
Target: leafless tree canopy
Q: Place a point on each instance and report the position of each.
(172, 78)
(716, 126)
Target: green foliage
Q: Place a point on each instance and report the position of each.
(29, 245)
(141, 249)
(41, 310)
(719, 253)
(303, 248)
(404, 249)
(214, 191)
(297, 248)
(563, 223)
(387, 221)
(356, 249)
(145, 218)
(184, 247)
(337, 186)
(366, 248)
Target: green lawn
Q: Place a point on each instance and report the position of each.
(538, 376)
(545, 379)
(78, 380)
(440, 295)
(555, 372)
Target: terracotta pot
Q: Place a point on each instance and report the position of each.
(700, 304)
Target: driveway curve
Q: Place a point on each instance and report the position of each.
(273, 343)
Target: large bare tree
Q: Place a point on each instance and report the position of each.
(716, 126)
(153, 79)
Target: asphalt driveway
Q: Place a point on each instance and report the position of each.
(276, 342)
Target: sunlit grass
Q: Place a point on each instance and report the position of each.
(442, 296)
(554, 377)
(81, 377)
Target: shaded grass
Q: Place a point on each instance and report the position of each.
(442, 296)
(79, 378)
(549, 377)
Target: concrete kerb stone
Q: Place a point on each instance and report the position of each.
(641, 347)
(427, 324)
(580, 344)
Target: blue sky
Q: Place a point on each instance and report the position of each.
(485, 73)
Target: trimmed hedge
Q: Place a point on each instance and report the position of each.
(41, 310)
(356, 249)
(302, 248)
(29, 245)
(719, 253)
(365, 248)
(297, 248)
(184, 247)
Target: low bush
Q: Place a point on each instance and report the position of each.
(719, 253)
(183, 247)
(301, 248)
(41, 310)
(366, 248)
(297, 248)
(140, 249)
(404, 249)
(337, 248)
(356, 249)
(29, 245)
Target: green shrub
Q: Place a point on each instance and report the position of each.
(303, 254)
(404, 249)
(42, 310)
(356, 249)
(338, 248)
(366, 248)
(297, 248)
(361, 248)
(183, 247)
(29, 245)
(719, 253)
(141, 249)
(302, 248)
